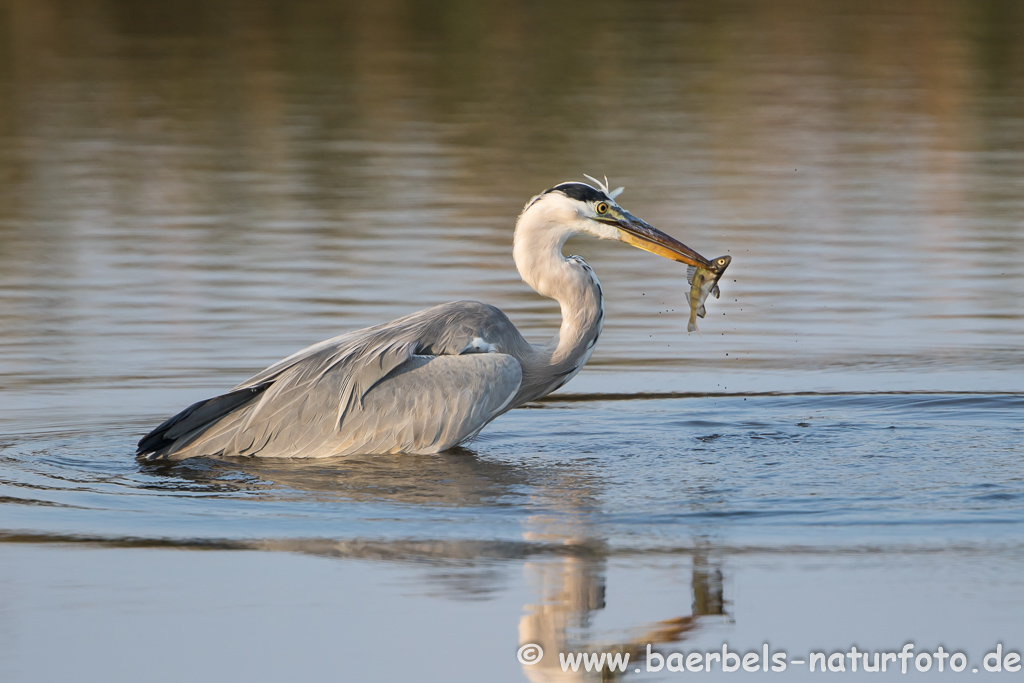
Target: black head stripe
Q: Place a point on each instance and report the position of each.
(581, 192)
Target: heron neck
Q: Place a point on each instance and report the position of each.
(573, 284)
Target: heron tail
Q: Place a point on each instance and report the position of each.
(196, 416)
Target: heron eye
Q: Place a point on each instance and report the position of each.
(602, 207)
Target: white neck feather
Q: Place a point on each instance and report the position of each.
(541, 232)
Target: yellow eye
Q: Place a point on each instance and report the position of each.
(601, 207)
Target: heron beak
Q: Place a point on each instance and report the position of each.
(645, 236)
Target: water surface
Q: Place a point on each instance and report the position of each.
(191, 191)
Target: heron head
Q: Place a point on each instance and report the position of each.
(593, 210)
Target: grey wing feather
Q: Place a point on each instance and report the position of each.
(426, 405)
(432, 403)
(323, 400)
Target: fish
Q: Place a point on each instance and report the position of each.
(704, 281)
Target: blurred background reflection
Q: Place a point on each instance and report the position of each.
(191, 190)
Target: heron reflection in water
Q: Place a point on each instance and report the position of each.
(431, 380)
(571, 570)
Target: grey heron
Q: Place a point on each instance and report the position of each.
(431, 380)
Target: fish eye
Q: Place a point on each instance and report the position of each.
(601, 207)
(721, 261)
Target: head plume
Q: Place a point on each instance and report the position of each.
(604, 186)
(581, 191)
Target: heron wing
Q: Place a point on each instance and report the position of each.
(244, 419)
(376, 390)
(425, 405)
(430, 404)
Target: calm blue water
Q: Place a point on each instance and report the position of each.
(642, 474)
(189, 192)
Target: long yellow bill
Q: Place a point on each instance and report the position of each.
(645, 236)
